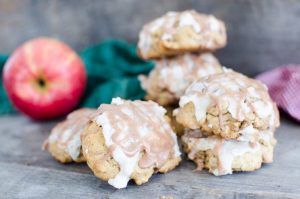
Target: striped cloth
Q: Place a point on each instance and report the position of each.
(284, 88)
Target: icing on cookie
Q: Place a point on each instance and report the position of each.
(267, 140)
(224, 150)
(248, 134)
(176, 74)
(230, 149)
(136, 133)
(187, 19)
(66, 135)
(233, 92)
(169, 25)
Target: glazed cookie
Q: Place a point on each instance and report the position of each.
(130, 140)
(229, 105)
(222, 156)
(171, 76)
(178, 32)
(177, 128)
(64, 141)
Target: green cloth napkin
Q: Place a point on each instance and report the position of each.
(112, 68)
(5, 105)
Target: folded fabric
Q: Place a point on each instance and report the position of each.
(112, 68)
(5, 105)
(284, 86)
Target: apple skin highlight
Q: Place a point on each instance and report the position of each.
(44, 78)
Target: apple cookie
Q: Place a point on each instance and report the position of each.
(177, 128)
(177, 32)
(222, 156)
(64, 142)
(129, 140)
(171, 76)
(229, 105)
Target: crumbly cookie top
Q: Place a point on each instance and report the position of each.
(66, 134)
(177, 73)
(136, 132)
(169, 24)
(234, 93)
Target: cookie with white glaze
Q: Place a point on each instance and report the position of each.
(222, 156)
(64, 142)
(177, 128)
(129, 140)
(171, 76)
(178, 32)
(229, 105)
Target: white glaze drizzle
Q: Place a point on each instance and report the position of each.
(242, 95)
(132, 127)
(227, 150)
(66, 134)
(187, 19)
(171, 22)
(176, 74)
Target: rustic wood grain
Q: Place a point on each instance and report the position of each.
(28, 172)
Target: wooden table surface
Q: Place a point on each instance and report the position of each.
(28, 172)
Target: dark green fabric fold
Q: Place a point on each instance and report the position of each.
(5, 105)
(112, 69)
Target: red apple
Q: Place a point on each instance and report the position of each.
(44, 78)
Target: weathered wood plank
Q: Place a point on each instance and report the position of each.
(30, 182)
(26, 171)
(21, 142)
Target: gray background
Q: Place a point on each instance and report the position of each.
(262, 33)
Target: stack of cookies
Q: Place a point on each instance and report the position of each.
(228, 120)
(179, 44)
